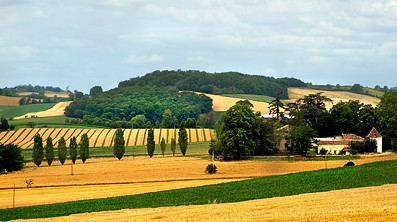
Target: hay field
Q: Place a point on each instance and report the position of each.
(57, 110)
(223, 103)
(352, 205)
(9, 101)
(139, 174)
(336, 96)
(98, 137)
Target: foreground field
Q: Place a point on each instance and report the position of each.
(139, 175)
(360, 204)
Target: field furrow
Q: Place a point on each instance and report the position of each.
(157, 136)
(90, 134)
(55, 134)
(201, 136)
(23, 136)
(140, 139)
(8, 136)
(193, 135)
(41, 131)
(126, 135)
(69, 135)
(94, 137)
(132, 138)
(61, 134)
(101, 138)
(164, 134)
(3, 134)
(28, 139)
(16, 135)
(109, 138)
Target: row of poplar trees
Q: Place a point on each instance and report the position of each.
(47, 151)
(182, 140)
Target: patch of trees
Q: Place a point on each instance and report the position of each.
(140, 107)
(217, 83)
(11, 158)
(5, 126)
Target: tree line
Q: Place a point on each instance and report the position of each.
(216, 83)
(140, 107)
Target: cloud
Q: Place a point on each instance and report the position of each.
(134, 59)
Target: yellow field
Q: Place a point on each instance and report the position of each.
(101, 177)
(98, 137)
(223, 103)
(9, 101)
(336, 96)
(57, 110)
(48, 94)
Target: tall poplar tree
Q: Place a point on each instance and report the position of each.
(84, 147)
(183, 139)
(62, 153)
(73, 149)
(173, 146)
(38, 152)
(163, 146)
(119, 144)
(49, 151)
(150, 143)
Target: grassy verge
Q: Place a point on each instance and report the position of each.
(193, 148)
(53, 122)
(14, 111)
(372, 174)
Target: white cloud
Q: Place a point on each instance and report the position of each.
(134, 59)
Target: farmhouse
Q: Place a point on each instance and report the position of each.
(335, 145)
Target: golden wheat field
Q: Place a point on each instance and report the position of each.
(99, 137)
(336, 96)
(57, 110)
(223, 103)
(9, 101)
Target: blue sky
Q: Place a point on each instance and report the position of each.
(81, 44)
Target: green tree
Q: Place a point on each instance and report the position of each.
(301, 138)
(95, 91)
(49, 151)
(168, 120)
(84, 147)
(73, 149)
(182, 139)
(139, 121)
(163, 146)
(150, 142)
(38, 152)
(62, 152)
(388, 117)
(276, 107)
(11, 158)
(238, 135)
(173, 146)
(266, 138)
(119, 144)
(4, 124)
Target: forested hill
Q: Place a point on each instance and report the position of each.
(217, 83)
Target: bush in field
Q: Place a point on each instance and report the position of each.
(342, 152)
(163, 146)
(62, 153)
(323, 151)
(350, 163)
(119, 144)
(150, 143)
(84, 147)
(211, 168)
(11, 158)
(353, 151)
(73, 149)
(38, 152)
(173, 146)
(49, 151)
(183, 139)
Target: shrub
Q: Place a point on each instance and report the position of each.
(163, 146)
(342, 152)
(119, 144)
(323, 151)
(350, 163)
(173, 146)
(11, 158)
(353, 151)
(211, 168)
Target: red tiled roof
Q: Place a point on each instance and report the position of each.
(374, 133)
(348, 136)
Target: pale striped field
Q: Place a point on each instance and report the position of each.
(100, 137)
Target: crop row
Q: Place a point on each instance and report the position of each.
(100, 137)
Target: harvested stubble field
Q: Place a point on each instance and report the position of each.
(100, 137)
(57, 110)
(9, 101)
(138, 175)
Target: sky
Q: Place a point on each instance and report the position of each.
(86, 43)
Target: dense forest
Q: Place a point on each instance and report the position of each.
(139, 106)
(217, 83)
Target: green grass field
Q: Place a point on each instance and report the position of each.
(258, 98)
(51, 122)
(372, 174)
(14, 111)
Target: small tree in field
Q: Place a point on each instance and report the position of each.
(163, 146)
(173, 146)
(38, 152)
(62, 153)
(84, 147)
(150, 143)
(119, 144)
(182, 139)
(73, 149)
(49, 151)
